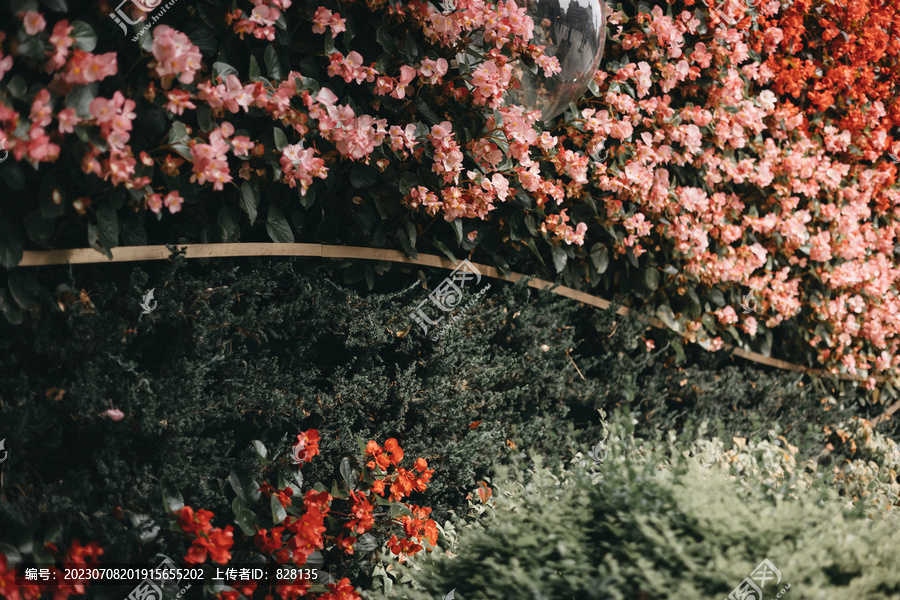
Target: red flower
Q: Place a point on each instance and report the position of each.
(192, 523)
(266, 544)
(307, 446)
(221, 541)
(342, 590)
(245, 587)
(392, 453)
(345, 543)
(361, 510)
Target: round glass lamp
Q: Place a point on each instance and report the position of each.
(574, 31)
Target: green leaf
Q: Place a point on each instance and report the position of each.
(403, 237)
(178, 133)
(244, 517)
(93, 239)
(85, 37)
(205, 119)
(384, 38)
(39, 229)
(273, 65)
(249, 200)
(80, 99)
(411, 49)
(132, 229)
(184, 150)
(58, 6)
(17, 87)
(107, 226)
(651, 278)
(363, 176)
(444, 249)
(349, 474)
(243, 485)
(227, 225)
(262, 453)
(278, 512)
(172, 499)
(717, 297)
(600, 258)
(664, 313)
(9, 308)
(278, 228)
(517, 228)
(254, 68)
(559, 258)
(221, 69)
(23, 289)
(458, 229)
(281, 140)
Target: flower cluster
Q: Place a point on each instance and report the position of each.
(206, 540)
(732, 158)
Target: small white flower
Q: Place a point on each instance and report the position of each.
(767, 100)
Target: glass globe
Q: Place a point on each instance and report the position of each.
(574, 31)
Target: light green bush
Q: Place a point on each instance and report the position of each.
(659, 521)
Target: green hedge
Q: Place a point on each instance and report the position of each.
(262, 349)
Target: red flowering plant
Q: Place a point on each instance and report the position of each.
(318, 530)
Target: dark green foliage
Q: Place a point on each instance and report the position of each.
(260, 349)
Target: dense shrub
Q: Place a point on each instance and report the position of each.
(651, 523)
(263, 349)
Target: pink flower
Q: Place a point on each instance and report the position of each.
(178, 100)
(175, 56)
(34, 22)
(115, 414)
(67, 120)
(173, 202)
(325, 18)
(84, 67)
(155, 202)
(433, 70)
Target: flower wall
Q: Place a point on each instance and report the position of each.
(712, 157)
